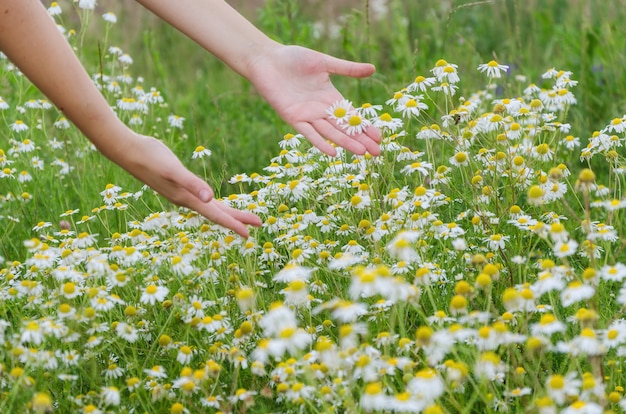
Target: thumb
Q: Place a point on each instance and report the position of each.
(348, 68)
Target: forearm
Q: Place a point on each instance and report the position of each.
(32, 41)
(217, 27)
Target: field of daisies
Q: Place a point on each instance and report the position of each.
(476, 265)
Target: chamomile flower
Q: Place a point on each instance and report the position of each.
(340, 111)
(109, 17)
(201, 152)
(153, 294)
(19, 126)
(356, 124)
(421, 84)
(386, 121)
(175, 121)
(87, 4)
(493, 69)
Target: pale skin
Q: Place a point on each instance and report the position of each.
(293, 80)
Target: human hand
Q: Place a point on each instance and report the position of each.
(152, 162)
(296, 82)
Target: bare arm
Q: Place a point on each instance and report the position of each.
(32, 41)
(218, 28)
(294, 80)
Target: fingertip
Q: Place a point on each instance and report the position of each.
(374, 133)
(205, 195)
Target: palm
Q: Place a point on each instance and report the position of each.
(296, 82)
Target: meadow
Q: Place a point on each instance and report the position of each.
(476, 265)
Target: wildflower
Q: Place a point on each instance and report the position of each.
(427, 385)
(111, 395)
(356, 124)
(421, 84)
(87, 4)
(421, 167)
(153, 294)
(109, 17)
(42, 403)
(615, 335)
(127, 332)
(401, 247)
(560, 387)
(386, 121)
(373, 398)
(411, 107)
(175, 121)
(497, 241)
(446, 88)
(490, 367)
(564, 249)
(542, 152)
(586, 343)
(201, 152)
(614, 273)
(583, 407)
(156, 371)
(445, 71)
(576, 291)
(19, 126)
(185, 354)
(493, 69)
(340, 111)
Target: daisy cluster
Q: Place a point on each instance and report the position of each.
(475, 265)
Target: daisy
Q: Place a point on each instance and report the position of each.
(411, 107)
(421, 84)
(615, 273)
(421, 167)
(111, 395)
(87, 4)
(19, 126)
(368, 110)
(109, 17)
(446, 88)
(356, 125)
(156, 371)
(340, 111)
(565, 248)
(575, 292)
(444, 70)
(175, 121)
(548, 325)
(201, 152)
(127, 332)
(560, 387)
(54, 9)
(385, 120)
(493, 69)
(153, 294)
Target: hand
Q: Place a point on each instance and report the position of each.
(152, 162)
(296, 82)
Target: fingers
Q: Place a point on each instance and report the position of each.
(331, 132)
(199, 197)
(225, 216)
(348, 68)
(195, 185)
